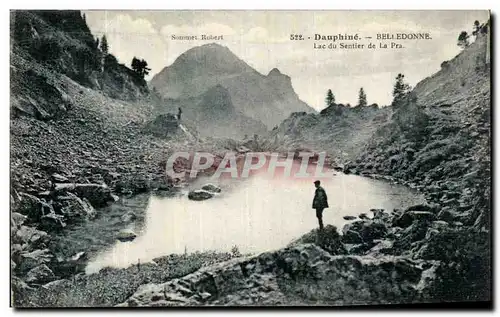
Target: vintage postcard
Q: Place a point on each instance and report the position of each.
(250, 158)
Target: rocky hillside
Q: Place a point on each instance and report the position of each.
(439, 137)
(76, 143)
(339, 130)
(61, 42)
(268, 99)
(438, 141)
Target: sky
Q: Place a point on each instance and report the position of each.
(262, 39)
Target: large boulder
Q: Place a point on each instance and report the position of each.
(211, 188)
(58, 178)
(31, 236)
(294, 275)
(33, 207)
(30, 260)
(408, 217)
(351, 237)
(40, 275)
(126, 235)
(128, 216)
(72, 207)
(448, 214)
(366, 230)
(163, 125)
(17, 219)
(98, 195)
(349, 218)
(423, 207)
(52, 222)
(328, 239)
(200, 194)
(46, 100)
(383, 247)
(380, 215)
(413, 233)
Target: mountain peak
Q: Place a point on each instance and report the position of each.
(274, 72)
(209, 50)
(227, 83)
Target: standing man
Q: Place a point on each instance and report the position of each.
(320, 202)
(179, 113)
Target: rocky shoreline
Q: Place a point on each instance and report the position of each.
(401, 252)
(84, 135)
(441, 235)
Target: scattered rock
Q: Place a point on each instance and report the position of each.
(58, 178)
(349, 217)
(30, 260)
(30, 206)
(363, 216)
(40, 274)
(74, 207)
(408, 217)
(446, 214)
(99, 195)
(126, 235)
(366, 230)
(200, 194)
(129, 216)
(52, 222)
(31, 236)
(211, 188)
(383, 247)
(17, 219)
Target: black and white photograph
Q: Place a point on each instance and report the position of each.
(250, 158)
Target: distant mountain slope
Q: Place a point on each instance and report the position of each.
(268, 99)
(339, 130)
(214, 115)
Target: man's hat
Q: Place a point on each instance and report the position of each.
(317, 182)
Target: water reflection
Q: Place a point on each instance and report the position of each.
(255, 214)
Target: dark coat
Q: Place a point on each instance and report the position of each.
(320, 199)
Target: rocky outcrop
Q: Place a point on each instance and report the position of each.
(340, 130)
(30, 260)
(363, 231)
(164, 125)
(298, 275)
(98, 195)
(328, 239)
(40, 275)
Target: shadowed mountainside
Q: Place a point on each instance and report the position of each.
(268, 99)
